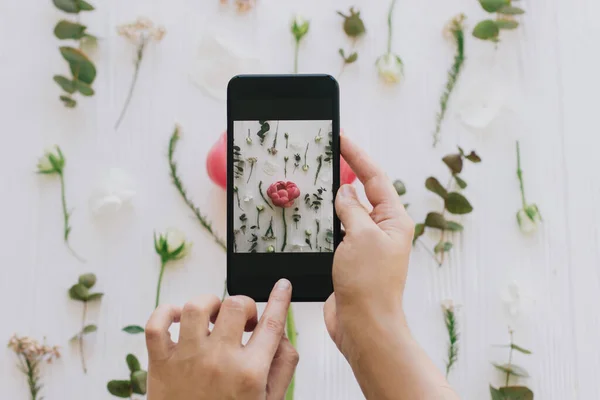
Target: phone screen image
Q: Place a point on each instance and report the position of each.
(283, 180)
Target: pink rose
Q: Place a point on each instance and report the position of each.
(283, 194)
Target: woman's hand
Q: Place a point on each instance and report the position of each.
(215, 365)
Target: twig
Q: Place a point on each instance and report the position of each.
(138, 62)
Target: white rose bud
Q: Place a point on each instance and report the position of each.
(172, 245)
(390, 68)
(51, 162)
(270, 249)
(299, 27)
(529, 218)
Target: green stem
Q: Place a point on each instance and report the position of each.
(160, 278)
(520, 175)
(82, 354)
(292, 336)
(263, 196)
(389, 43)
(284, 230)
(32, 378)
(510, 355)
(138, 63)
(297, 49)
(66, 216)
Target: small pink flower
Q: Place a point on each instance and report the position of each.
(283, 194)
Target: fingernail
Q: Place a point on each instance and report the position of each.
(283, 284)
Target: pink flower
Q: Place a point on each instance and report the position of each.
(283, 194)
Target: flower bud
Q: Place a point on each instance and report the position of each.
(353, 24)
(270, 249)
(51, 162)
(248, 140)
(171, 245)
(260, 208)
(390, 68)
(305, 167)
(529, 218)
(299, 27)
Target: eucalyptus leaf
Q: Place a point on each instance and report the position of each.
(69, 30)
(87, 280)
(419, 231)
(460, 182)
(121, 389)
(139, 381)
(436, 220)
(516, 393)
(442, 247)
(79, 292)
(507, 24)
(511, 10)
(512, 369)
(433, 185)
(68, 101)
(133, 363)
(473, 157)
(95, 296)
(351, 58)
(84, 5)
(454, 162)
(496, 394)
(65, 83)
(68, 6)
(456, 203)
(89, 329)
(400, 187)
(493, 5)
(133, 329)
(487, 30)
(84, 88)
(454, 226)
(81, 66)
(520, 349)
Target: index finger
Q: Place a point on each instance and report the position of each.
(267, 335)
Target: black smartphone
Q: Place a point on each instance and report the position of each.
(283, 171)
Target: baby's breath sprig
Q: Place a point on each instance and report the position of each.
(53, 162)
(529, 215)
(82, 68)
(81, 292)
(136, 384)
(204, 222)
(299, 29)
(489, 29)
(449, 311)
(455, 30)
(511, 370)
(139, 33)
(454, 202)
(170, 246)
(31, 354)
(354, 28)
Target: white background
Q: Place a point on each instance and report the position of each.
(551, 62)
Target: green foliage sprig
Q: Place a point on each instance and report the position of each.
(204, 222)
(454, 203)
(354, 28)
(83, 70)
(299, 29)
(509, 369)
(529, 215)
(53, 163)
(314, 201)
(136, 384)
(455, 29)
(449, 311)
(263, 131)
(489, 29)
(81, 292)
(170, 246)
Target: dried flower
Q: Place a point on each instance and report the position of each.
(53, 162)
(170, 246)
(354, 27)
(529, 216)
(30, 354)
(136, 384)
(318, 138)
(139, 33)
(273, 149)
(285, 161)
(248, 138)
(449, 311)
(299, 29)
(389, 65)
(81, 292)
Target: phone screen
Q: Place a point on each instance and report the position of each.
(283, 174)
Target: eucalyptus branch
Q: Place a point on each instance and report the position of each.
(511, 370)
(207, 225)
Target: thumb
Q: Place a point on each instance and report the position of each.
(351, 212)
(282, 370)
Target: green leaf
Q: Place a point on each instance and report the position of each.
(133, 329)
(473, 157)
(121, 389)
(139, 381)
(68, 6)
(351, 58)
(419, 231)
(95, 296)
(133, 363)
(493, 5)
(516, 393)
(442, 247)
(507, 24)
(520, 349)
(454, 162)
(81, 66)
(400, 188)
(69, 30)
(89, 329)
(436, 220)
(456, 203)
(512, 369)
(84, 5)
(487, 30)
(84, 88)
(511, 10)
(460, 182)
(454, 226)
(436, 187)
(496, 394)
(87, 280)
(79, 292)
(68, 101)
(65, 83)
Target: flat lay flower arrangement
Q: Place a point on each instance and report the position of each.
(282, 170)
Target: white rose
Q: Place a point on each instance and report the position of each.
(390, 68)
(170, 242)
(529, 218)
(45, 164)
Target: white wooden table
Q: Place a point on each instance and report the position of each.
(551, 62)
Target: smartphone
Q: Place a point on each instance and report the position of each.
(283, 171)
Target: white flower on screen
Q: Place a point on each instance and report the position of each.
(248, 197)
(390, 68)
(112, 193)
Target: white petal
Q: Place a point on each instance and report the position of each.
(113, 190)
(175, 238)
(482, 99)
(248, 197)
(106, 205)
